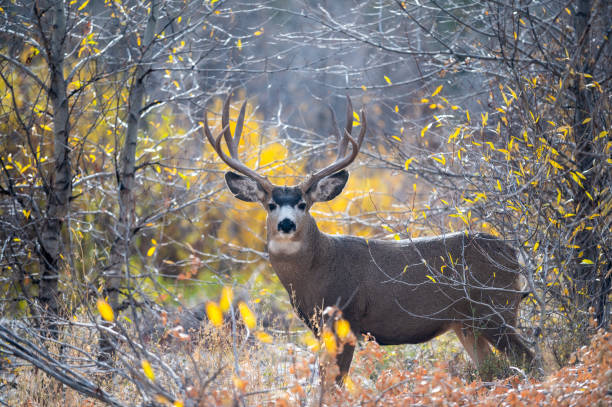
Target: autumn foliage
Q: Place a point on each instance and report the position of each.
(115, 221)
(275, 372)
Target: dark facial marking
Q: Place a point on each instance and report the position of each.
(286, 226)
(286, 196)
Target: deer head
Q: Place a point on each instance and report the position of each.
(287, 206)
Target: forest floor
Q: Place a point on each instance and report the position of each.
(283, 370)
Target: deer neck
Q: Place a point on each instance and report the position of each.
(300, 259)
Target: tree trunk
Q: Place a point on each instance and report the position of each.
(60, 185)
(120, 250)
(592, 285)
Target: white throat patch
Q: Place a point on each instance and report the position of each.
(284, 246)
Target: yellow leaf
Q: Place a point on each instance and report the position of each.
(431, 278)
(387, 228)
(441, 160)
(247, 315)
(343, 328)
(424, 129)
(151, 251)
(258, 32)
(215, 316)
(45, 127)
(239, 383)
(586, 261)
(454, 135)
(388, 80)
(585, 121)
(467, 114)
(226, 299)
(364, 88)
(576, 179)
(82, 6)
(407, 163)
(356, 116)
(438, 89)
(147, 369)
(512, 92)
(350, 385)
(239, 44)
(396, 138)
(178, 403)
(555, 164)
(263, 337)
(330, 342)
(311, 342)
(105, 310)
(499, 187)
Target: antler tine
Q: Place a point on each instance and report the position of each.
(363, 128)
(342, 160)
(239, 126)
(229, 140)
(349, 125)
(342, 143)
(232, 144)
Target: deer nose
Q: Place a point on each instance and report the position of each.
(286, 225)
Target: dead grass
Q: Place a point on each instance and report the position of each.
(215, 370)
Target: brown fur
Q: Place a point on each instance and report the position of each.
(385, 290)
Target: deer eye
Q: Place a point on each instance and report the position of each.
(302, 206)
(272, 206)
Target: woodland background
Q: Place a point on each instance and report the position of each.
(116, 227)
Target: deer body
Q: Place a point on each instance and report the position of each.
(399, 292)
(384, 288)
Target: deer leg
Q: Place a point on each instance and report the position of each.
(344, 359)
(474, 344)
(508, 341)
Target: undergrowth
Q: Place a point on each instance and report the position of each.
(282, 369)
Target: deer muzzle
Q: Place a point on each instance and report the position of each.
(286, 226)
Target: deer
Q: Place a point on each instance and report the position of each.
(396, 291)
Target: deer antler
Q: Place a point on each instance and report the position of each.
(232, 142)
(342, 159)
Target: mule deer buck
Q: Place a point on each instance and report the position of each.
(400, 292)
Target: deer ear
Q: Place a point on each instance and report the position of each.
(244, 188)
(329, 187)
